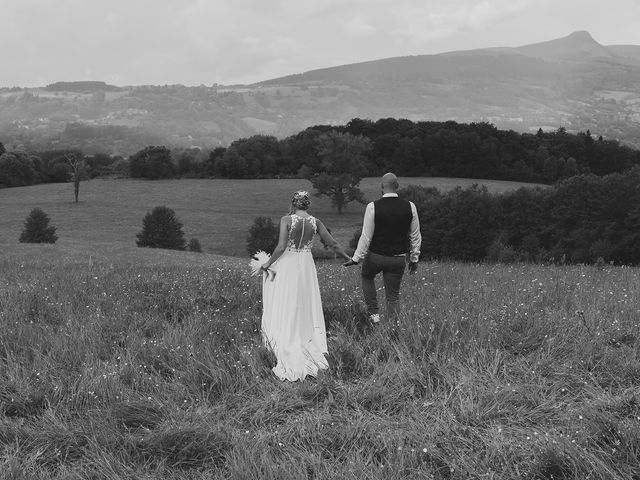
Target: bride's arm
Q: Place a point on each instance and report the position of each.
(330, 242)
(282, 241)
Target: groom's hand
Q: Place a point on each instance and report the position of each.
(349, 263)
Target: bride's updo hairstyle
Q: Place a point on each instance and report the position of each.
(300, 201)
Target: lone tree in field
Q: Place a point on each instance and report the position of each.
(37, 229)
(78, 171)
(263, 235)
(342, 165)
(161, 229)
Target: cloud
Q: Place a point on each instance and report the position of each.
(204, 41)
(358, 27)
(424, 22)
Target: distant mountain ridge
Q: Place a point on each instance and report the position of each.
(572, 82)
(578, 46)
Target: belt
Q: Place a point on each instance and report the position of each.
(394, 255)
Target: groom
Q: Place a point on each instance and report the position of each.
(390, 227)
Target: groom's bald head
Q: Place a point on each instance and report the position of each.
(389, 183)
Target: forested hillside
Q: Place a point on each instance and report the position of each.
(445, 149)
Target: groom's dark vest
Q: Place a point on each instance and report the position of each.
(392, 222)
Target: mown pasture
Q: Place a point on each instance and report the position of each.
(216, 212)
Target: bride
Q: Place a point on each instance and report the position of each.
(292, 319)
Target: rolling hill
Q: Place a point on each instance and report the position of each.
(572, 82)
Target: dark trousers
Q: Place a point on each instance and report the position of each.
(392, 269)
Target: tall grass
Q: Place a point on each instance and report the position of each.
(118, 370)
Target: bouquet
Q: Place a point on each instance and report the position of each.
(259, 259)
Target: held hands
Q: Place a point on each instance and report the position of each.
(413, 266)
(270, 273)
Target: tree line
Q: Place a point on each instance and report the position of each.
(20, 169)
(451, 149)
(475, 150)
(583, 219)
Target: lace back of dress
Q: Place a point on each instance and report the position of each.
(301, 234)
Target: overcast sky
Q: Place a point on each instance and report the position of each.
(194, 42)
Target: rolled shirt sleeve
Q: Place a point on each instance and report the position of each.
(368, 227)
(415, 237)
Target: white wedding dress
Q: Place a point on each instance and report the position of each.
(292, 319)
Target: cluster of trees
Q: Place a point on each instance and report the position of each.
(152, 162)
(156, 162)
(19, 169)
(584, 219)
(476, 150)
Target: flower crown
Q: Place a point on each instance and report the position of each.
(300, 200)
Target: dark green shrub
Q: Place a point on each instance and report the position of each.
(263, 235)
(37, 228)
(194, 245)
(161, 229)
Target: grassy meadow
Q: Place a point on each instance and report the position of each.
(216, 212)
(153, 368)
(126, 363)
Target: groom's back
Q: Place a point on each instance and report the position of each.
(392, 221)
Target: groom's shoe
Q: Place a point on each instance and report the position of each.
(374, 318)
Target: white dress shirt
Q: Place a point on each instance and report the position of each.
(368, 227)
